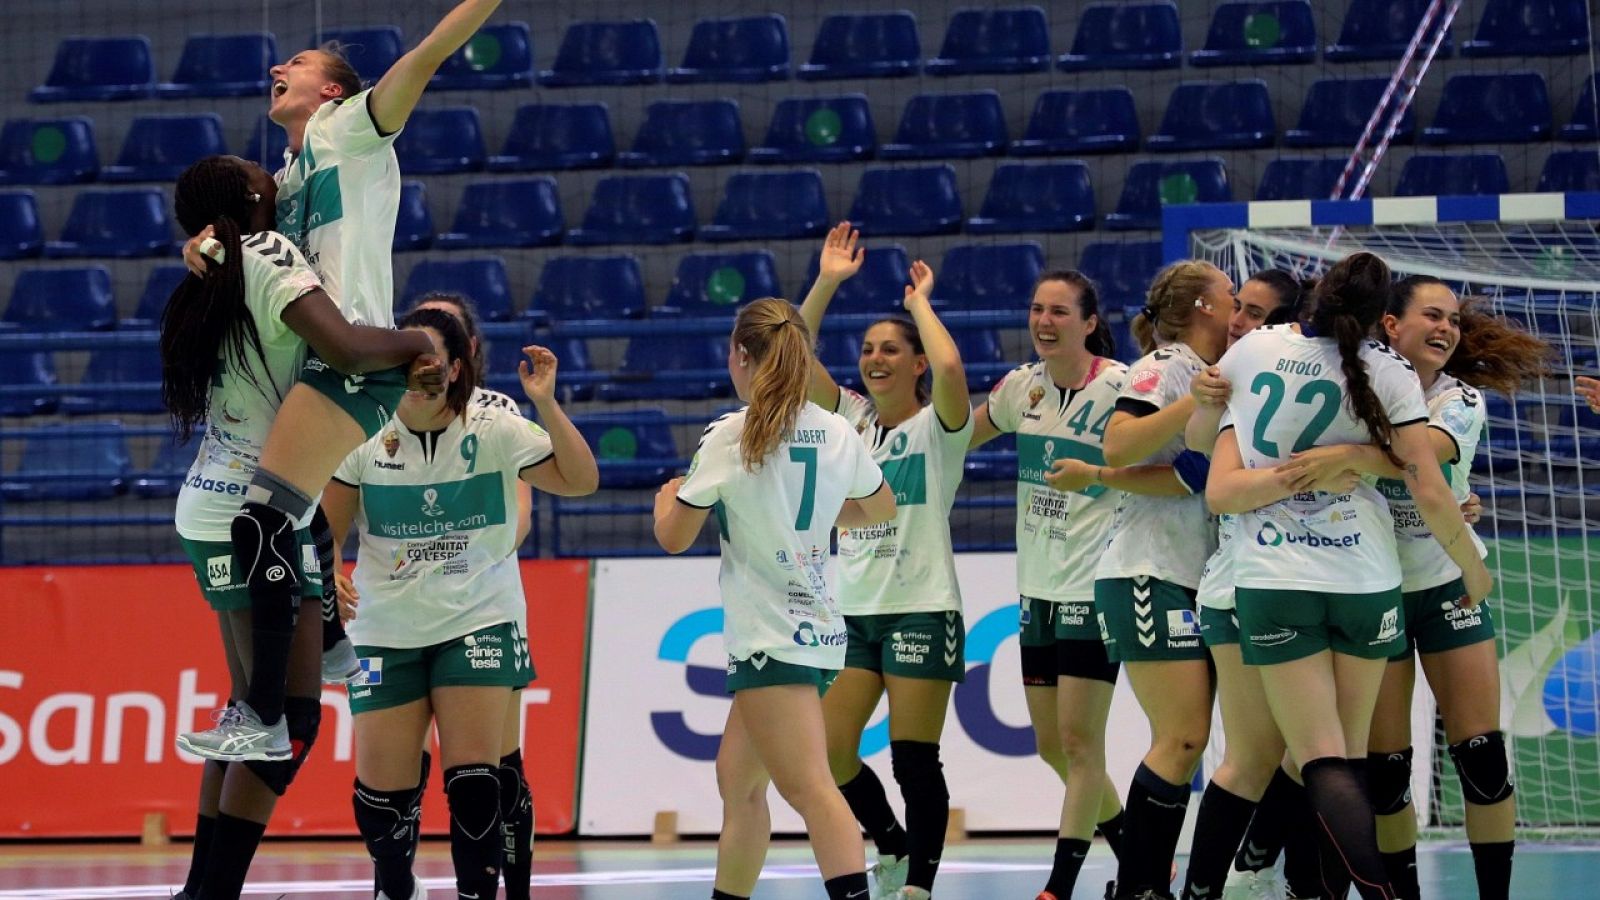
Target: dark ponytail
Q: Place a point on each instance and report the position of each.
(1099, 342)
(206, 319)
(1347, 303)
(1292, 293)
(456, 345)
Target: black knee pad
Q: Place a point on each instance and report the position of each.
(1389, 781)
(475, 840)
(1482, 766)
(266, 548)
(304, 718)
(384, 820)
(515, 797)
(918, 771)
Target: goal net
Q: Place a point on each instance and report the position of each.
(1533, 471)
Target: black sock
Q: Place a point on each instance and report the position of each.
(322, 537)
(871, 807)
(268, 556)
(927, 797)
(1154, 813)
(1070, 854)
(1492, 863)
(204, 827)
(1263, 840)
(1111, 830)
(724, 895)
(233, 846)
(385, 823)
(1402, 869)
(516, 827)
(414, 806)
(1302, 868)
(1224, 816)
(847, 887)
(1346, 825)
(474, 795)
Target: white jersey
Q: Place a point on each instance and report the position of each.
(243, 402)
(1289, 394)
(1458, 410)
(338, 201)
(1217, 581)
(1168, 538)
(1059, 535)
(906, 564)
(437, 525)
(774, 525)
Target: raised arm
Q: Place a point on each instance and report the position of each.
(1231, 488)
(983, 428)
(397, 92)
(572, 472)
(951, 401)
(841, 258)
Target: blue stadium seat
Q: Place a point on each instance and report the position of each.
(1100, 120)
(413, 223)
(687, 133)
(818, 129)
(997, 461)
(222, 65)
(981, 354)
(606, 53)
(877, 45)
(525, 212)
(158, 288)
(166, 474)
(77, 299)
(1531, 28)
(65, 462)
(1253, 34)
(1152, 184)
(696, 366)
(440, 141)
(20, 234)
(27, 370)
(1379, 29)
(638, 209)
(633, 449)
(497, 58)
(717, 283)
(1121, 271)
(94, 69)
(589, 287)
(1336, 112)
(1055, 196)
(1300, 179)
(1570, 170)
(1216, 115)
(110, 368)
(1491, 109)
(557, 136)
(48, 151)
(749, 49)
(770, 205)
(1126, 36)
(1430, 174)
(482, 280)
(1583, 126)
(989, 277)
(877, 289)
(937, 126)
(994, 41)
(159, 148)
(268, 142)
(916, 200)
(128, 222)
(371, 51)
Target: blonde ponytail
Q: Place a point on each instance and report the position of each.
(1169, 306)
(779, 345)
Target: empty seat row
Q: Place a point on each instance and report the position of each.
(756, 48)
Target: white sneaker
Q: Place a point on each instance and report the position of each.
(911, 893)
(888, 876)
(1261, 884)
(240, 736)
(339, 663)
(419, 891)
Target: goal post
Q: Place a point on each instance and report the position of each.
(1533, 258)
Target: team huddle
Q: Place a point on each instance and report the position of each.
(1269, 509)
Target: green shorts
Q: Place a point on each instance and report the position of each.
(1282, 626)
(929, 645)
(223, 584)
(1434, 623)
(1219, 626)
(761, 670)
(371, 399)
(1144, 619)
(496, 656)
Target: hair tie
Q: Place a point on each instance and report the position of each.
(1149, 312)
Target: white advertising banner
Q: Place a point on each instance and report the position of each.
(656, 707)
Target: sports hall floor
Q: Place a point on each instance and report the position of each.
(981, 869)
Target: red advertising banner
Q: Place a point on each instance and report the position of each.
(101, 667)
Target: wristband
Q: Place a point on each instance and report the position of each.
(213, 249)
